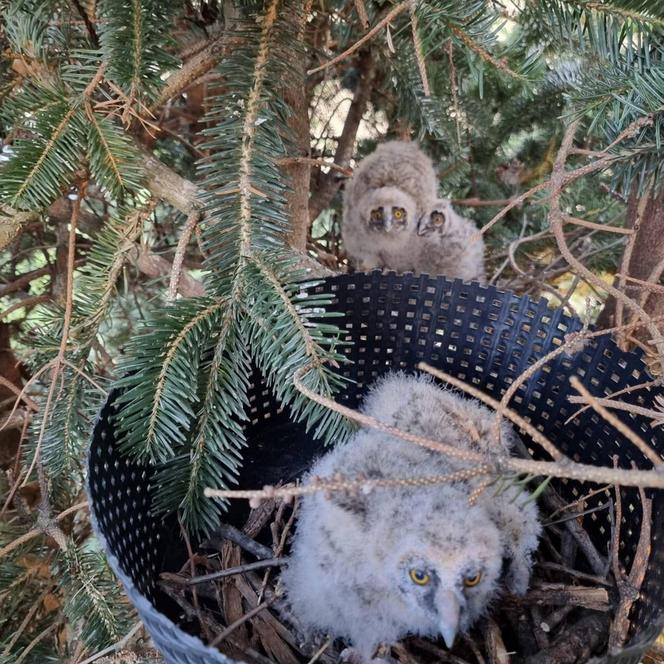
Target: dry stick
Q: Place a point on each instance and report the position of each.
(245, 542)
(629, 586)
(326, 645)
(640, 284)
(617, 424)
(569, 177)
(287, 161)
(115, 647)
(28, 617)
(26, 537)
(625, 265)
(234, 625)
(178, 259)
(575, 573)
(280, 547)
(656, 415)
(42, 635)
(57, 363)
(339, 484)
(362, 13)
(419, 53)
(455, 94)
(598, 227)
(192, 568)
(556, 219)
(562, 469)
(389, 17)
(230, 571)
(19, 393)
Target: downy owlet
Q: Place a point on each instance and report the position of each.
(383, 201)
(448, 244)
(373, 567)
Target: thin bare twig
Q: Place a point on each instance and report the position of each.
(388, 18)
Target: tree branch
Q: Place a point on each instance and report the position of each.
(329, 184)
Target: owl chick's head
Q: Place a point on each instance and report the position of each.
(447, 574)
(434, 220)
(388, 210)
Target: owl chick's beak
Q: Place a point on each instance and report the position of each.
(448, 614)
(422, 229)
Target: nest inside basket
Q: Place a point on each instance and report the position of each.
(578, 605)
(579, 599)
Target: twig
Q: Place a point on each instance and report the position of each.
(231, 571)
(316, 485)
(119, 645)
(556, 220)
(558, 594)
(326, 645)
(657, 416)
(629, 586)
(26, 621)
(193, 218)
(26, 537)
(42, 635)
(618, 424)
(483, 53)
(322, 163)
(362, 13)
(419, 53)
(388, 18)
(234, 625)
(236, 536)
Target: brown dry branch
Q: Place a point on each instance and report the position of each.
(656, 415)
(419, 53)
(556, 221)
(501, 65)
(362, 13)
(327, 185)
(558, 594)
(629, 585)
(386, 20)
(178, 259)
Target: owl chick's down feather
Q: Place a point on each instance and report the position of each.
(390, 190)
(374, 567)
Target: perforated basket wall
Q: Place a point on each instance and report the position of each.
(477, 333)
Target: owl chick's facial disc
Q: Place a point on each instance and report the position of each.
(388, 210)
(433, 222)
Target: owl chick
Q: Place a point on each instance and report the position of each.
(389, 191)
(446, 244)
(373, 567)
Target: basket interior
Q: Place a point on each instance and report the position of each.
(477, 333)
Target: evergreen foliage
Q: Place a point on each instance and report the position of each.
(86, 90)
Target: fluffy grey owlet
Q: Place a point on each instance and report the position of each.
(373, 567)
(389, 191)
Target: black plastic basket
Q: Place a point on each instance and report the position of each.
(479, 334)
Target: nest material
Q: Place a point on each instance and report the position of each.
(578, 603)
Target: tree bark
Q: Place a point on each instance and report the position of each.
(297, 99)
(645, 215)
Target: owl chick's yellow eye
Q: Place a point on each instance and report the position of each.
(420, 577)
(398, 213)
(471, 581)
(438, 218)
